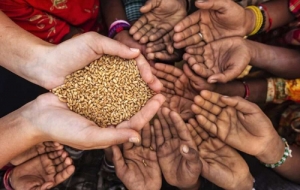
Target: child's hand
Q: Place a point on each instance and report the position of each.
(138, 167)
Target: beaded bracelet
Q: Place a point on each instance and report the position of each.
(287, 153)
(117, 27)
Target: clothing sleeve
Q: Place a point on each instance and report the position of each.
(132, 8)
(280, 90)
(39, 23)
(294, 6)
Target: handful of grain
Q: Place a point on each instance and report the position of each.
(108, 91)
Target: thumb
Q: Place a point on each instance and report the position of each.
(216, 5)
(104, 45)
(149, 5)
(47, 185)
(191, 155)
(227, 75)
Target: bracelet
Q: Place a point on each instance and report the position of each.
(247, 90)
(264, 19)
(188, 6)
(117, 27)
(287, 153)
(262, 7)
(7, 180)
(259, 19)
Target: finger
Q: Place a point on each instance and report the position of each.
(109, 46)
(195, 79)
(217, 5)
(67, 162)
(148, 6)
(64, 174)
(186, 33)
(195, 136)
(165, 127)
(138, 24)
(192, 157)
(202, 70)
(155, 35)
(200, 111)
(146, 74)
(156, 48)
(119, 162)
(165, 56)
(139, 120)
(195, 50)
(188, 41)
(199, 130)
(195, 60)
(229, 74)
(240, 104)
(128, 146)
(188, 21)
(209, 103)
(180, 126)
(214, 98)
(209, 126)
(55, 154)
(146, 136)
(170, 69)
(159, 138)
(141, 36)
(153, 140)
(166, 113)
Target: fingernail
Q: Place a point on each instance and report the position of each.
(134, 49)
(185, 149)
(134, 140)
(212, 81)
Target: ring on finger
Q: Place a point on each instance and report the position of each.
(201, 36)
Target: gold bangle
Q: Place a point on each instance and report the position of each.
(258, 20)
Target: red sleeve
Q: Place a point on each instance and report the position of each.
(39, 23)
(294, 6)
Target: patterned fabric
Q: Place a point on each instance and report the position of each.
(132, 8)
(51, 19)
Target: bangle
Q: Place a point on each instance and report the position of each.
(247, 90)
(7, 180)
(264, 19)
(262, 7)
(188, 6)
(287, 153)
(258, 21)
(118, 26)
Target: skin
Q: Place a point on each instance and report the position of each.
(159, 18)
(137, 167)
(176, 151)
(234, 125)
(222, 165)
(253, 133)
(215, 19)
(48, 119)
(36, 150)
(42, 172)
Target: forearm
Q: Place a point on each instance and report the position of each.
(279, 13)
(19, 50)
(112, 11)
(257, 89)
(281, 62)
(16, 136)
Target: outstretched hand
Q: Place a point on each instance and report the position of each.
(216, 19)
(222, 165)
(76, 131)
(234, 121)
(176, 150)
(138, 167)
(221, 60)
(159, 18)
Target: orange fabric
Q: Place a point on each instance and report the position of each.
(51, 19)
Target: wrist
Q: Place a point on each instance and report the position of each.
(273, 150)
(249, 21)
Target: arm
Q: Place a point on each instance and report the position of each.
(38, 22)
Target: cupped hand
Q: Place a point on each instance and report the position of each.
(137, 167)
(215, 19)
(221, 60)
(234, 121)
(159, 18)
(174, 81)
(222, 165)
(74, 54)
(162, 50)
(176, 150)
(51, 120)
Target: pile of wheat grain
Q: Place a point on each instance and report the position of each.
(108, 91)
